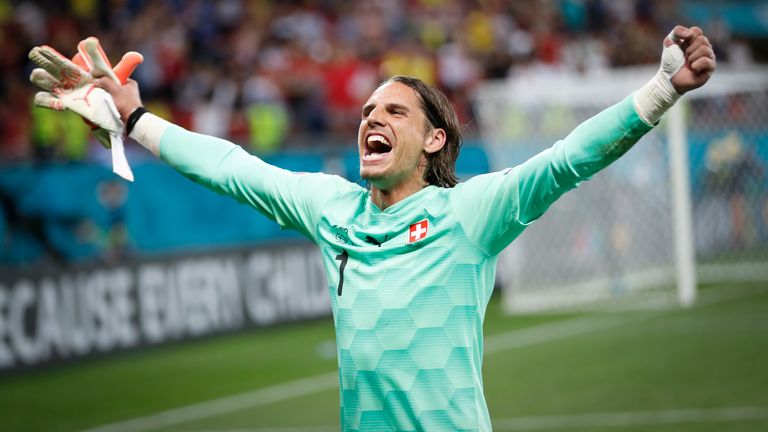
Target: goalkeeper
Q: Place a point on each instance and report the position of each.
(410, 261)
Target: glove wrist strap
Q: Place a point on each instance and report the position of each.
(134, 118)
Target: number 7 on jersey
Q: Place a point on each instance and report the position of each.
(343, 257)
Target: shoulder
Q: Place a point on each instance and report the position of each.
(343, 185)
(329, 185)
(483, 181)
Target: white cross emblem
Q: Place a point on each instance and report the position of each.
(418, 231)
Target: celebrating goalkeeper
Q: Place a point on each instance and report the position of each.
(410, 261)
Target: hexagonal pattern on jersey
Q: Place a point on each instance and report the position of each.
(408, 350)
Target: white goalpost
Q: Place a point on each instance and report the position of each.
(687, 205)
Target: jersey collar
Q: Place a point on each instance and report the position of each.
(417, 199)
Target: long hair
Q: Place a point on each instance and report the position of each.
(441, 165)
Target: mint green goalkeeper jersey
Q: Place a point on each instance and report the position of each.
(409, 284)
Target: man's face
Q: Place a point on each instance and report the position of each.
(393, 134)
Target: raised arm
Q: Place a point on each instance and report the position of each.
(205, 159)
(687, 62)
(495, 208)
(293, 200)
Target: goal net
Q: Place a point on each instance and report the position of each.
(688, 204)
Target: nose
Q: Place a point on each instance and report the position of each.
(375, 118)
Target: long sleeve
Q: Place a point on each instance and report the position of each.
(589, 148)
(495, 208)
(293, 200)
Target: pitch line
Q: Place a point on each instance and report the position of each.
(274, 429)
(557, 330)
(576, 326)
(632, 418)
(582, 421)
(226, 405)
(327, 381)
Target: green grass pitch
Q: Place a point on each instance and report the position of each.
(700, 369)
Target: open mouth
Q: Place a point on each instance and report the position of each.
(376, 147)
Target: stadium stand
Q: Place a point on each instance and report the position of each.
(285, 80)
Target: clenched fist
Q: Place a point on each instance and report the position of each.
(699, 58)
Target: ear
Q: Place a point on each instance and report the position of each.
(435, 140)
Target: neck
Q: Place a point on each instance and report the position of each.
(384, 198)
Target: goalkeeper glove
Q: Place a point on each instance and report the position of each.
(69, 84)
(97, 64)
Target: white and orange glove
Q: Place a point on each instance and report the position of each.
(68, 84)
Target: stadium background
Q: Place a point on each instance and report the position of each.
(120, 301)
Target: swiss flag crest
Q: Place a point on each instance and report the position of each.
(418, 231)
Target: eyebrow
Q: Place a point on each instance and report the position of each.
(390, 107)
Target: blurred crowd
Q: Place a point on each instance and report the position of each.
(268, 74)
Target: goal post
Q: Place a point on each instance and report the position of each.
(644, 231)
(682, 217)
